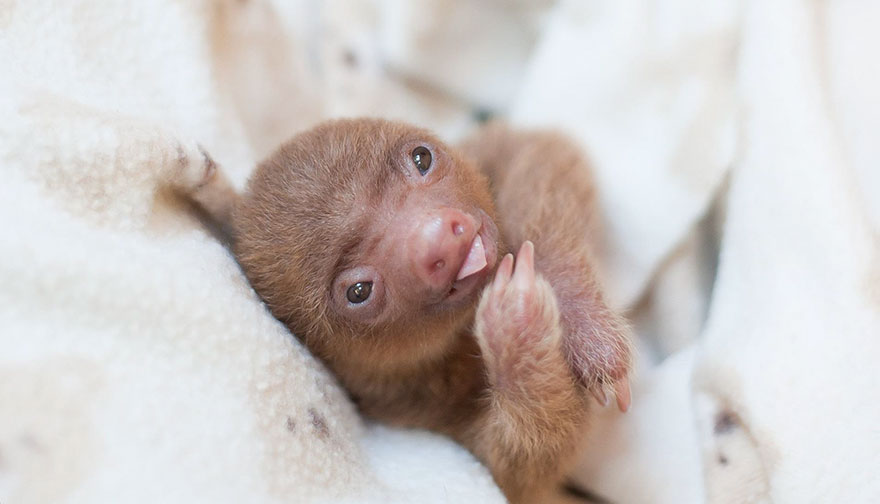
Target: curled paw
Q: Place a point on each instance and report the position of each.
(517, 323)
(194, 167)
(599, 352)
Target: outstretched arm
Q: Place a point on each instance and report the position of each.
(544, 193)
(535, 410)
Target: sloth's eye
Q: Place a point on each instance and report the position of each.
(421, 156)
(359, 292)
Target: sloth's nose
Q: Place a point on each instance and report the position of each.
(439, 246)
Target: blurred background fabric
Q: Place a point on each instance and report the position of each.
(735, 145)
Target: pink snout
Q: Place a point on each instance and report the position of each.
(439, 244)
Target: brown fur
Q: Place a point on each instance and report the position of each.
(505, 368)
(544, 193)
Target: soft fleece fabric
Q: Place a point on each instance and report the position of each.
(735, 149)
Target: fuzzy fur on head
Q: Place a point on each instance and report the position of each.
(327, 200)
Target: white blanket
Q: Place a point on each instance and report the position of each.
(735, 150)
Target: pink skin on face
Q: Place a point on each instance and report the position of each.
(448, 252)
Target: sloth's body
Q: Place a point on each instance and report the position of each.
(383, 249)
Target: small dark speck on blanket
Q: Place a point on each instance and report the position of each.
(350, 58)
(182, 160)
(29, 442)
(291, 424)
(319, 423)
(725, 422)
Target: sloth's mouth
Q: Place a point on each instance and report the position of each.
(476, 266)
(461, 289)
(475, 261)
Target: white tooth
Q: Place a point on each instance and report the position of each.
(475, 260)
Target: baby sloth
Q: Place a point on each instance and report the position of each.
(385, 251)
